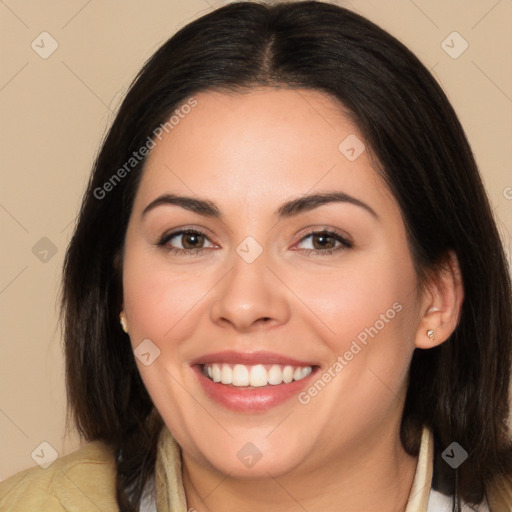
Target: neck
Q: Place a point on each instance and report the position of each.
(377, 476)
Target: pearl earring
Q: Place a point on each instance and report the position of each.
(124, 325)
(430, 334)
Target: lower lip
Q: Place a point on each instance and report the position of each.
(251, 399)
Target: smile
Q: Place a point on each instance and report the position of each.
(255, 376)
(252, 382)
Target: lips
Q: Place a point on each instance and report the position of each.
(250, 358)
(251, 382)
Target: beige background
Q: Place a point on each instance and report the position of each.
(55, 111)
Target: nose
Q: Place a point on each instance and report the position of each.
(251, 296)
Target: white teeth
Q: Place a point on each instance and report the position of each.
(226, 374)
(305, 372)
(287, 374)
(216, 373)
(258, 376)
(275, 375)
(240, 375)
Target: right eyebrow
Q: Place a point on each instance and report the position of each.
(199, 206)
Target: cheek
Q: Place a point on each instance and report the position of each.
(361, 301)
(368, 312)
(158, 301)
(369, 315)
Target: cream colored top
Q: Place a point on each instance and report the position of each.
(84, 481)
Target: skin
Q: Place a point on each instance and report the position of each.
(248, 153)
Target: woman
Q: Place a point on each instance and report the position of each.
(286, 290)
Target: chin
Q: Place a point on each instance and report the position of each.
(256, 458)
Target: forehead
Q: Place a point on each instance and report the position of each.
(272, 143)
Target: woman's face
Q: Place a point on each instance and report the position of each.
(271, 284)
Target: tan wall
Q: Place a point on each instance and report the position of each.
(54, 112)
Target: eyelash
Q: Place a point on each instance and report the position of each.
(344, 243)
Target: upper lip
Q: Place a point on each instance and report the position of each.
(250, 358)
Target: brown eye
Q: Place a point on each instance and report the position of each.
(192, 240)
(185, 240)
(324, 242)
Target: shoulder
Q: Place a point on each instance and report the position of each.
(499, 495)
(81, 480)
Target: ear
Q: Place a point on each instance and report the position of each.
(441, 304)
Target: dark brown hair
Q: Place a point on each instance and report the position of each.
(458, 389)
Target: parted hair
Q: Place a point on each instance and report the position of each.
(460, 388)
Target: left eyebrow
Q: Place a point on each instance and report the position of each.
(307, 203)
